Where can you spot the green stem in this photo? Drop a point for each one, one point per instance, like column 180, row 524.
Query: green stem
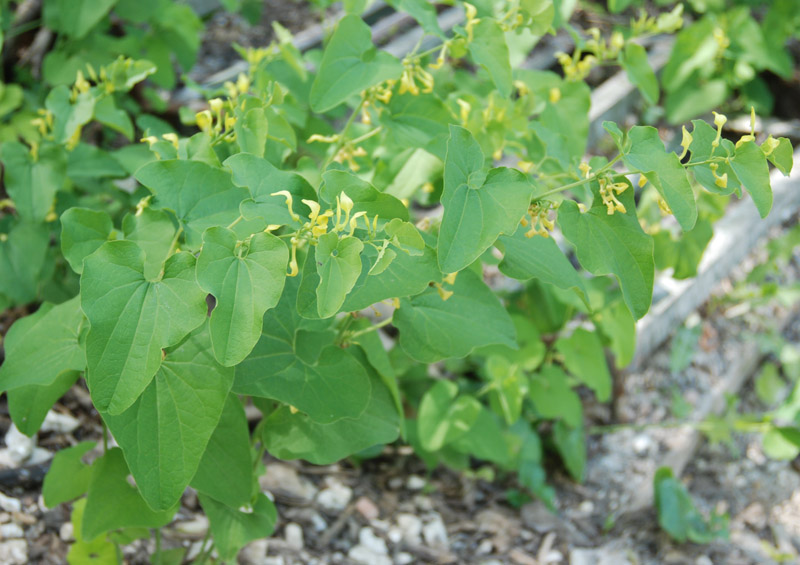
column 587, row 180
column 174, row 245
column 236, row 221
column 342, row 136
column 367, row 135
column 372, row 328
column 157, row 533
column 105, row 438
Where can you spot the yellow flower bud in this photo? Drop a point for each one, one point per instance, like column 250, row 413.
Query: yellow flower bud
column 686, row 141
column 354, row 221
column 204, row 120
column 314, row 209
column 243, row 83
column 770, row 144
column 427, row 188
column 172, row 138
column 586, row 169
column 451, row 278
column 323, row 138
column 345, row 202
column 288, row 196
column 216, row 105
column 525, row 166
column 465, row 108
column 554, row 95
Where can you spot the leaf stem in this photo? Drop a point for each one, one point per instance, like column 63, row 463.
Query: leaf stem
column 338, row 145
column 174, row 245
column 367, row 135
column 236, row 221
column 372, row 328
column 588, row 179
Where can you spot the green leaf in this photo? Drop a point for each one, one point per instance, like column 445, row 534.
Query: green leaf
column 201, row 196
column 132, row 319
column 571, row 445
column 28, row 405
column 553, row 398
column 225, row 472
column 478, row 207
column 233, row 529
column 247, row 278
column 262, row 178
column 615, row 245
column 68, row 477
column 164, row 433
column 251, row 131
column 153, row 231
column 83, row 231
column 694, row 98
column 769, row 384
column 584, row 358
column 617, row 324
column 350, row 64
column 99, row 551
column 490, row 51
column 365, row 197
column 22, row 260
column 750, row 166
column 406, row 275
column 443, row 418
column 76, row 18
column 782, row 443
column 294, row 362
column 640, row 73
column 677, row 514
column 32, row 184
column 485, row 440
column 782, row 156
column 69, row 115
column 432, row 329
column 665, row 171
column 422, row 11
column 41, row 347
column 418, row 121
column 112, row 503
column 289, row 435
column 701, row 150
column 338, row 266
column 509, row 387
column 538, row 257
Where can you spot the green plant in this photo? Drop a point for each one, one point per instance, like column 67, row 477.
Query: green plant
column 678, row 515
column 290, row 209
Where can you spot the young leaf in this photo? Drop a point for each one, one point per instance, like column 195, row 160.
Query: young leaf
column 640, row 72
column 153, row 231
column 553, row 398
column 132, row 319
column 478, row 207
column 247, row 278
column 338, row 266
column 422, row 11
column 782, row 156
column 571, row 445
column 432, row 329
column 98, row 551
column 32, row 183
column 615, row 245
column 584, row 358
column 750, row 166
column 490, row 51
column 83, row 231
column 28, row 405
column 233, row 529
column 350, row 64
column 23, row 258
column 418, row 121
column 443, row 418
column 76, row 17
column 165, row 432
column 68, row 477
column 42, row 346
column 678, row 515
column 112, row 503
column 251, row 132
column 365, row 197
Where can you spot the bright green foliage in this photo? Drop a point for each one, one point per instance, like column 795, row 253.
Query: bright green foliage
column 750, row 166
column 97, row 551
column 338, row 266
column 640, row 72
column 68, row 477
column 489, row 50
column 246, row 278
column 233, row 529
column 28, row 405
column 83, row 231
column 153, row 231
column 443, row 418
column 478, row 206
column 677, row 514
column 571, row 445
column 76, row 17
column 554, row 398
column 584, row 358
column 30, row 183
column 133, row 319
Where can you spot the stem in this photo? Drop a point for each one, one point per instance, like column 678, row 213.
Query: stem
column 105, row 438
column 372, row 328
column 367, row 135
column 174, row 245
column 338, row 145
column 589, row 179
column 157, row 532
column 236, row 221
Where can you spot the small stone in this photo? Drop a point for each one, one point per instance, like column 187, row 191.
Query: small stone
column 318, row 522
column 10, row 504
column 642, row 445
column 519, row 557
column 754, row 516
column 415, row 482
column 363, row 556
column 492, row 562
column 538, row 517
column 254, row 553
column 606, row 555
column 395, row 534
column 368, row 539
column 586, row 508
column 435, row 533
column 195, row 528
column 335, row 497
column 293, row 534
column 424, row 503
column 277, row 560
column 367, row 508
column 24, row 519
column 19, row 446
column 14, row 552
column 66, row 532
column 484, row 547
column 283, row 480
column 403, row 558
column 411, row 527
column 395, row 483
column 703, row 560
column 59, row 423
column 11, row 531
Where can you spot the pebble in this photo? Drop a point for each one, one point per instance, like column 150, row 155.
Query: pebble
column 410, row 528
column 600, row 556
column 11, row 531
column 254, row 553
column 66, row 532
column 395, row 534
column 435, row 533
column 335, row 497
column 367, row 508
column 19, row 447
column 14, row 552
column 368, row 539
column 403, row 558
column 277, row 560
column 363, row 556
column 415, row 482
column 395, row 483
column 586, row 508
column 536, row 516
column 59, row 423
column 703, row 560
column 10, row 504
column 195, row 528
column 642, row 445
column 285, row 480
column 485, row 547
column 423, row 503
column 293, row 534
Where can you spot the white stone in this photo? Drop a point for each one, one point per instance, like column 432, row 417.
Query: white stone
column 10, row 504
column 368, row 539
column 403, row 558
column 410, row 527
column 66, row 532
column 194, row 528
column 554, row 556
column 484, row 547
column 14, row 552
column 318, row 522
column 11, row 531
column 59, row 423
column 20, row 447
column 254, row 553
column 586, row 507
column 435, row 533
column 395, row 534
column 642, row 445
column 415, row 482
column 285, row 480
column 363, row 556
column 293, row 534
column 335, row 497
column 703, row 560
column 277, row 560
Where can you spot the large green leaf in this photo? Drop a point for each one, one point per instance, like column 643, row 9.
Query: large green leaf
column 23, row 256
column 112, row 503
column 665, row 171
column 418, row 121
column 262, row 179
column 28, row 405
column 478, row 207
column 76, row 17
column 338, row 267
column 443, row 417
column 68, row 477
column 750, row 165
column 350, row 64
column 432, row 329
column 553, row 398
column 153, row 231
column 538, row 257
column 201, row 196
column 83, row 231
column 225, row 472
column 42, row 346
column 422, row 11
column 613, row 244
column 584, row 358
column 571, row 445
column 246, row 277
column 232, row 529
column 701, row 151
column 296, row 362
column 32, row 183
column 132, row 319
column 640, row 73
column 164, row 434
column 289, row 435
column 490, row 51
column 677, row 513
column 365, row 197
